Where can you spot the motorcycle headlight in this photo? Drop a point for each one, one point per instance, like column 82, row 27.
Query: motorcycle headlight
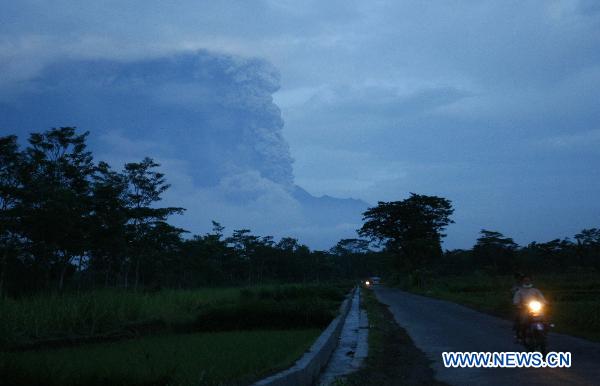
column 535, row 306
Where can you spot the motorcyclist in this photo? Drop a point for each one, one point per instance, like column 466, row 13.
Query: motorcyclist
column 517, row 284
column 516, row 314
column 526, row 293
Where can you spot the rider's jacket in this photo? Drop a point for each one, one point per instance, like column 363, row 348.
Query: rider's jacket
column 525, row 295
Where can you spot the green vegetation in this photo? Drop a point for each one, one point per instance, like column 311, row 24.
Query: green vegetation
column 206, row 336
column 187, row 359
column 411, row 229
column 69, row 223
column 275, row 307
column 91, row 267
column 574, row 297
column 99, row 238
column 123, row 313
column 566, row 270
column 99, row 312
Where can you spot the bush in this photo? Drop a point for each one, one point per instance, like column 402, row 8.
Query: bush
column 265, row 314
column 292, row 306
column 295, row 292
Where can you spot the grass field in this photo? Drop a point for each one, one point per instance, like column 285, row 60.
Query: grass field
column 99, row 312
column 574, row 298
column 185, row 359
column 206, row 336
column 105, row 312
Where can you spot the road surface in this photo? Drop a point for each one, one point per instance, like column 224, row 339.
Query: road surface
column 437, row 326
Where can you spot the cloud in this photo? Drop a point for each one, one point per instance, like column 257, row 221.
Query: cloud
column 209, row 119
column 214, row 110
column 483, row 101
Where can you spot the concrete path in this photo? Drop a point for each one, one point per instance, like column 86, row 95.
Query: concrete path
column 436, row 326
column 352, row 346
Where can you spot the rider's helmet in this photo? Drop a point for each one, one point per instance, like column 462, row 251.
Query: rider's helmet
column 526, row 281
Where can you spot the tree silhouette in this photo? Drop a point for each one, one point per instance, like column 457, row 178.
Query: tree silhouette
column 411, row 228
column 145, row 187
column 108, row 239
column 495, row 249
column 56, row 201
column 10, row 191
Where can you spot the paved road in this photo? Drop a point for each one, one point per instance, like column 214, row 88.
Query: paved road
column 436, row 326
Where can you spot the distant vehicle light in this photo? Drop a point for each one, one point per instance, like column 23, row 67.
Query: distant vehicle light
column 367, row 283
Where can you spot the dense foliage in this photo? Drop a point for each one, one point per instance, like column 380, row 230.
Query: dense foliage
column 410, row 232
column 67, row 221
column 497, row 254
column 410, row 229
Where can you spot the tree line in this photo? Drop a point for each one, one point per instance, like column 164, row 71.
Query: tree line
column 496, row 253
column 410, row 232
column 67, row 221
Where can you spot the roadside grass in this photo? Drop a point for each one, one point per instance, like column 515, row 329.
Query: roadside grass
column 574, row 297
column 393, row 358
column 110, row 312
column 235, row 357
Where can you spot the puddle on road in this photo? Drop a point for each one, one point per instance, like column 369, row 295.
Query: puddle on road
column 352, row 346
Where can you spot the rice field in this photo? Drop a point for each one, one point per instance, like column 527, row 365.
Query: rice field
column 207, row 336
column 185, row 359
column 99, row 312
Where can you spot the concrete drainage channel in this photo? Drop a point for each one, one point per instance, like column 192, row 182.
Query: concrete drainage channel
column 353, row 345
column 339, row 350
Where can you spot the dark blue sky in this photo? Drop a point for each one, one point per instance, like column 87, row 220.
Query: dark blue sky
column 492, row 104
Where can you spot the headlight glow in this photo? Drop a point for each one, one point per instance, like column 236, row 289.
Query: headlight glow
column 368, row 282
column 535, row 306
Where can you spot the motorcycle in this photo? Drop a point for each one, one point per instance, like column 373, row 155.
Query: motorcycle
column 534, row 332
